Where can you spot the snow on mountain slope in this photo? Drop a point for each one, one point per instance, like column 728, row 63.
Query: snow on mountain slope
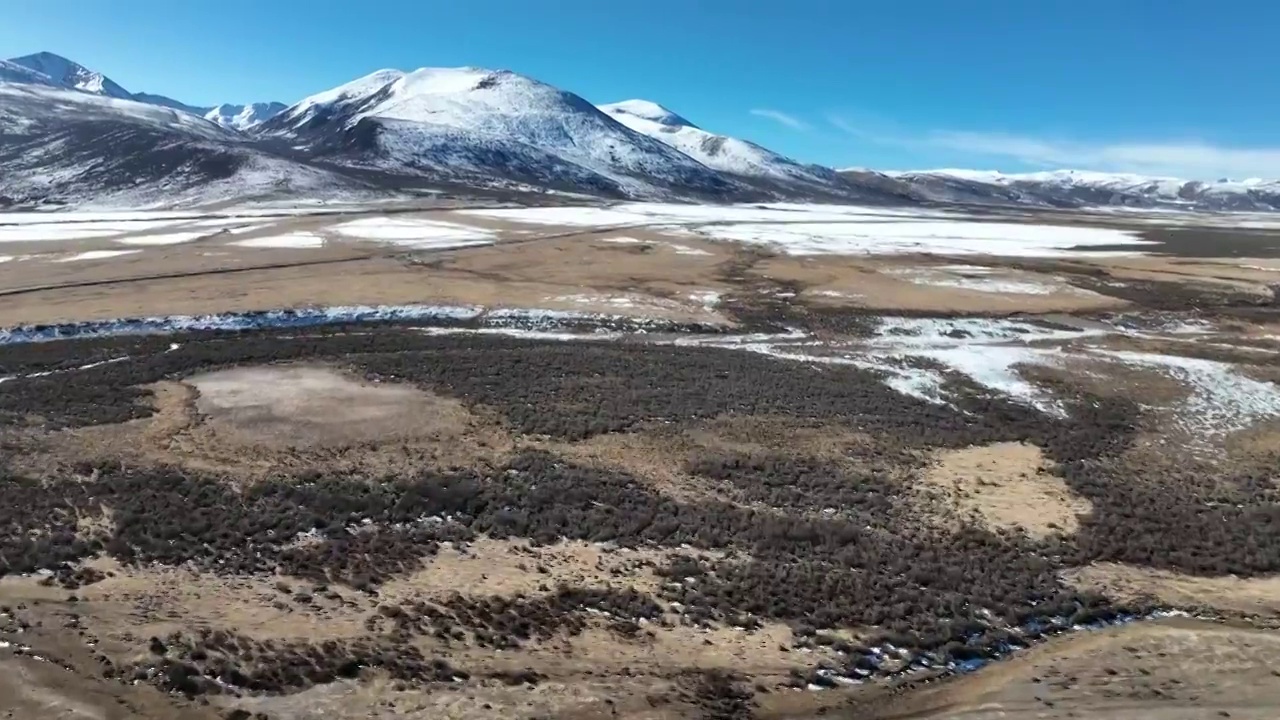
column 56, row 105
column 1082, row 188
column 720, row 152
column 474, row 122
column 243, row 117
column 73, row 147
column 68, row 74
column 162, row 101
column 15, row 73
column 647, row 110
column 46, row 68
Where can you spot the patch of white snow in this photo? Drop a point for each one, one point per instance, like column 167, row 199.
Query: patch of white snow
column 96, row 255
column 291, row 241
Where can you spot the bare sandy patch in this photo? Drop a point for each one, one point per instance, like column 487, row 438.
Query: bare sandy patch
column 888, row 283
column 256, row 422
column 515, row 567
column 654, row 456
column 301, row 406
column 1167, row 670
column 1228, row 593
column 659, row 454
column 1007, row 485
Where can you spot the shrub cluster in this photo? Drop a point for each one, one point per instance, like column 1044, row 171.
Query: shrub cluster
column 828, row 543
column 216, row 661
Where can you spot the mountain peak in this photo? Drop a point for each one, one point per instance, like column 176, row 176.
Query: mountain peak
column 244, row 117
column 69, row 74
column 648, row 110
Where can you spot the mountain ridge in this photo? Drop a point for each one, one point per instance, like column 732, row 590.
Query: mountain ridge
column 452, row 122
column 56, row 70
column 481, row 129
column 735, row 156
column 1086, row 188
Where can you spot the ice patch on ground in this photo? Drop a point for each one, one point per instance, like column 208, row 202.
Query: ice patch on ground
column 167, row 239
column 678, row 248
column 1222, row 400
column 291, row 241
column 924, row 333
column 47, row 233
column 706, row 298
column 78, row 217
column 686, row 250
column 1003, row 287
column 585, row 299
column 299, row 318
column 977, row 279
column 625, row 214
column 952, row 237
column 96, row 255
column 418, row 234
column 249, row 228
column 797, row 229
column 523, row 333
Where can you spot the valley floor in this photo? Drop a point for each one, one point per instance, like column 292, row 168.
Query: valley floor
column 638, row 461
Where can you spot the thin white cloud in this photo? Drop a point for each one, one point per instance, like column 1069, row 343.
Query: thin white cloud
column 778, row 116
column 1190, row 159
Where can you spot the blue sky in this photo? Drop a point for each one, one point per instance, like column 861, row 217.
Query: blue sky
column 1168, row 87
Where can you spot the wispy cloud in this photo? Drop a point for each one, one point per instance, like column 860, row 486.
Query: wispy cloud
column 778, row 116
column 1189, row 159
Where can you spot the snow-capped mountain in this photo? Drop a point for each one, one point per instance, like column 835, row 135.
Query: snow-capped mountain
column 67, row 146
column 46, row 68
column 14, row 73
column 468, row 124
column 72, row 134
column 729, row 155
column 647, row 110
column 244, row 117
column 71, row 75
column 1079, row 188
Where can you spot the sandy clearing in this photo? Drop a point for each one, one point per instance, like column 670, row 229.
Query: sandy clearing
column 1007, row 485
column 301, row 406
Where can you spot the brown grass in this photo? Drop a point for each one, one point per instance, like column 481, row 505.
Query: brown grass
column 1229, row 594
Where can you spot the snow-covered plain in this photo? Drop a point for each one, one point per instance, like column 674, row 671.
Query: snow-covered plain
column 635, row 213
column 981, row 279
column 295, row 241
column 53, row 233
column 1221, row 400
column 163, row 239
column 834, row 229
column 419, row 234
column 953, row 237
column 96, row 255
column 795, row 229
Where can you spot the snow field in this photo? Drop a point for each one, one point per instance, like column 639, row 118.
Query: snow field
column 832, row 229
